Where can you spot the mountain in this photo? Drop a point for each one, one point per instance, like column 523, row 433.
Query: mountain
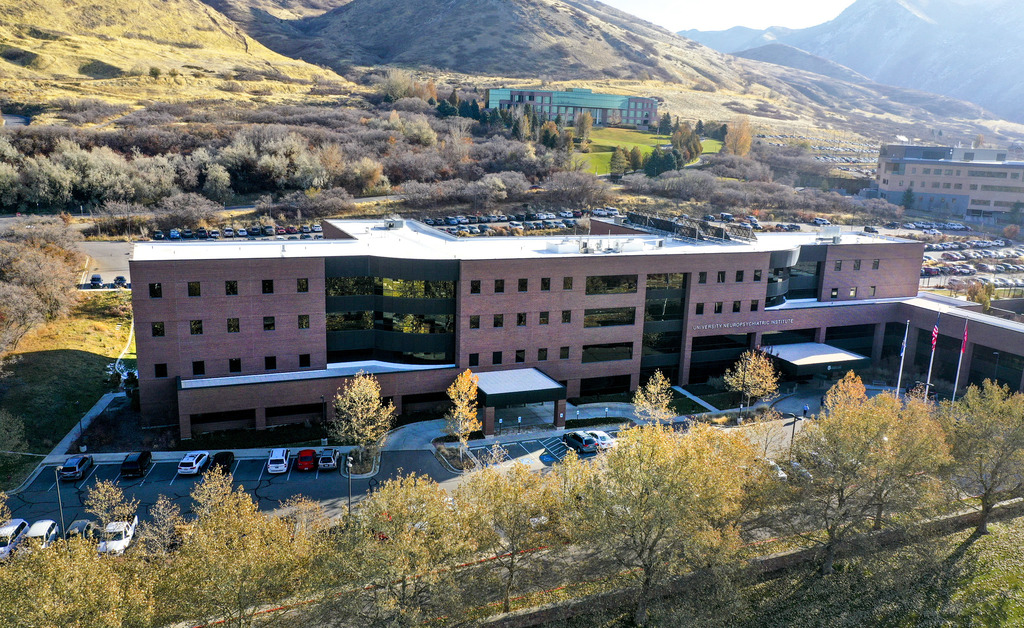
column 781, row 54
column 83, row 40
column 966, row 49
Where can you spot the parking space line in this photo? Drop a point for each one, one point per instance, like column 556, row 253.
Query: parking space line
column 262, row 469
column 52, row 486
column 173, row 479
column 86, row 478
column 289, row 477
column 237, row 462
column 151, row 467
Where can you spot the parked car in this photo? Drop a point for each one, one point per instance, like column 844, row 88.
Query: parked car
column 74, row 468
column 328, row 459
column 96, row 281
column 214, row 234
column 822, row 222
column 11, row 535
column 870, row 229
column 136, row 464
column 268, row 230
column 45, row 532
column 174, row 234
column 229, row 232
column 223, row 460
column 194, row 462
column 158, row 235
column 306, row 460
column 278, row 461
column 120, row 281
column 582, row 442
column 118, row 536
column 241, row 233
column 604, row 439
column 82, row 528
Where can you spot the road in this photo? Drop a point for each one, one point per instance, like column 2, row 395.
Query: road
column 107, row 259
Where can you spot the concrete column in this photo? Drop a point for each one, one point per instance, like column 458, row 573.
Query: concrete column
column 261, row 418
column 911, row 347
column 819, row 335
column 560, row 414
column 876, row 344
column 757, row 338
column 397, row 401
column 185, row 425
column 488, row 421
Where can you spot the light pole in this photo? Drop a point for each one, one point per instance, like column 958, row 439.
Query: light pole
column 995, row 375
column 792, row 439
column 606, row 414
column 60, row 501
column 348, row 470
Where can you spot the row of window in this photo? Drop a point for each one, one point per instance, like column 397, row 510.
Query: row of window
column 194, row 289
column 234, row 325
column 719, row 306
column 596, row 317
column 702, row 276
column 834, row 294
column 523, row 285
column 606, row 352
column 234, row 365
column 838, row 264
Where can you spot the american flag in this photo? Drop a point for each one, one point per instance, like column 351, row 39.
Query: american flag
column 935, row 332
column 963, row 346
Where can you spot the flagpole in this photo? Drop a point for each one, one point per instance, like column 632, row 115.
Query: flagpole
column 903, row 356
column 959, row 363
column 931, row 361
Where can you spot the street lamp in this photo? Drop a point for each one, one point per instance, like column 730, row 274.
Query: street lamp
column 995, row 375
column 606, row 413
column 792, row 439
column 348, row 469
column 60, row 501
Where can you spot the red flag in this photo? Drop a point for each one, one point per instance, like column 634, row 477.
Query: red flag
column 935, row 332
column 963, row 346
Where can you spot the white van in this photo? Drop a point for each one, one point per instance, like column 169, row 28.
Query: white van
column 278, row 461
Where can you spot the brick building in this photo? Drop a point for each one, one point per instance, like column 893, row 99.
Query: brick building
column 604, row 108
column 262, row 333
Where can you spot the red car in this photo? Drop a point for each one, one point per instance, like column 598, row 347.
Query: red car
column 306, row 460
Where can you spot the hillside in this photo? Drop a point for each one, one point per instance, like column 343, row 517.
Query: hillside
column 781, row 54
column 76, row 40
column 966, row 49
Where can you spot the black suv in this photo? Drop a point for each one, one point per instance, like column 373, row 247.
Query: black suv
column 136, row 464
column 582, row 442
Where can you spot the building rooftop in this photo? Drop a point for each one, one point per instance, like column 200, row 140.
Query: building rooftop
column 414, row 240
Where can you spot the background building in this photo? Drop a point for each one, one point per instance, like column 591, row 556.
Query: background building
column 256, row 334
column 605, row 108
column 963, row 182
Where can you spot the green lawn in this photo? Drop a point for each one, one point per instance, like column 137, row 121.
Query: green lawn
column 604, row 141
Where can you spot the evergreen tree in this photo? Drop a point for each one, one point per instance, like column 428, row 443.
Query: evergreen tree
column 665, row 124
column 636, row 159
column 446, row 110
column 453, row 98
column 619, row 161
column 474, row 110
column 549, row 135
column 559, row 122
column 465, row 110
column 908, row 199
column 699, row 130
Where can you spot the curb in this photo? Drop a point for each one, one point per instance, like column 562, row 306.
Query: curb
column 362, row 476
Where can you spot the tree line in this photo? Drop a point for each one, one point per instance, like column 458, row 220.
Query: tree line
column 660, row 506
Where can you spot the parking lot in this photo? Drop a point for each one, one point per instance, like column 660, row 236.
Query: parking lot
column 535, row 453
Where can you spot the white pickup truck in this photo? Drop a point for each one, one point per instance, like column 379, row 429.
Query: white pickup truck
column 118, row 536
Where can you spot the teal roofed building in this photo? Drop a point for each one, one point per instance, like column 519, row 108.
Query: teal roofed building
column 604, row 108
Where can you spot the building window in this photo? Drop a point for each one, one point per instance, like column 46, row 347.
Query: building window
column 499, row 286
column 736, row 306
column 721, row 276
column 839, row 265
column 195, row 328
column 739, row 276
column 835, row 293
column 270, row 363
column 856, row 264
column 545, row 284
column 718, row 307
column 474, row 359
column 700, row 309
column 520, row 356
column 853, row 292
column 608, row 352
column 302, row 285
column 754, row 305
column 158, row 329
column 231, row 288
column 193, row 289
column 303, row 360
column 474, row 321
column 159, row 370
column 499, row 320
column 702, row 277
column 757, row 275
column 268, row 323
column 235, row 365
column 611, row 284
column 156, row 291
column 874, row 264
column 474, row 286
column 199, row 368
column 268, row 286
column 871, row 291
column 563, row 353
column 542, row 355
column 303, row 321
column 566, row 316
column 544, row 318
column 521, row 319
column 524, row 285
column 567, row 283
column 496, row 358
column 609, row 316
column 233, row 326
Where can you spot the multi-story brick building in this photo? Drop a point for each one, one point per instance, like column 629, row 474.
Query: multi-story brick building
column 605, row 108
column 965, row 182
column 256, row 334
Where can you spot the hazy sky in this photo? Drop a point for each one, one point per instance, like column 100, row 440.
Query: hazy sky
column 708, row 15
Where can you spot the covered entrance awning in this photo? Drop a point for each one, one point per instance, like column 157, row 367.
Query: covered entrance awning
column 518, row 386
column 814, row 358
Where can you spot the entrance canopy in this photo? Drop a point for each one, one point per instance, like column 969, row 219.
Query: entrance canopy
column 516, row 386
column 812, row 358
